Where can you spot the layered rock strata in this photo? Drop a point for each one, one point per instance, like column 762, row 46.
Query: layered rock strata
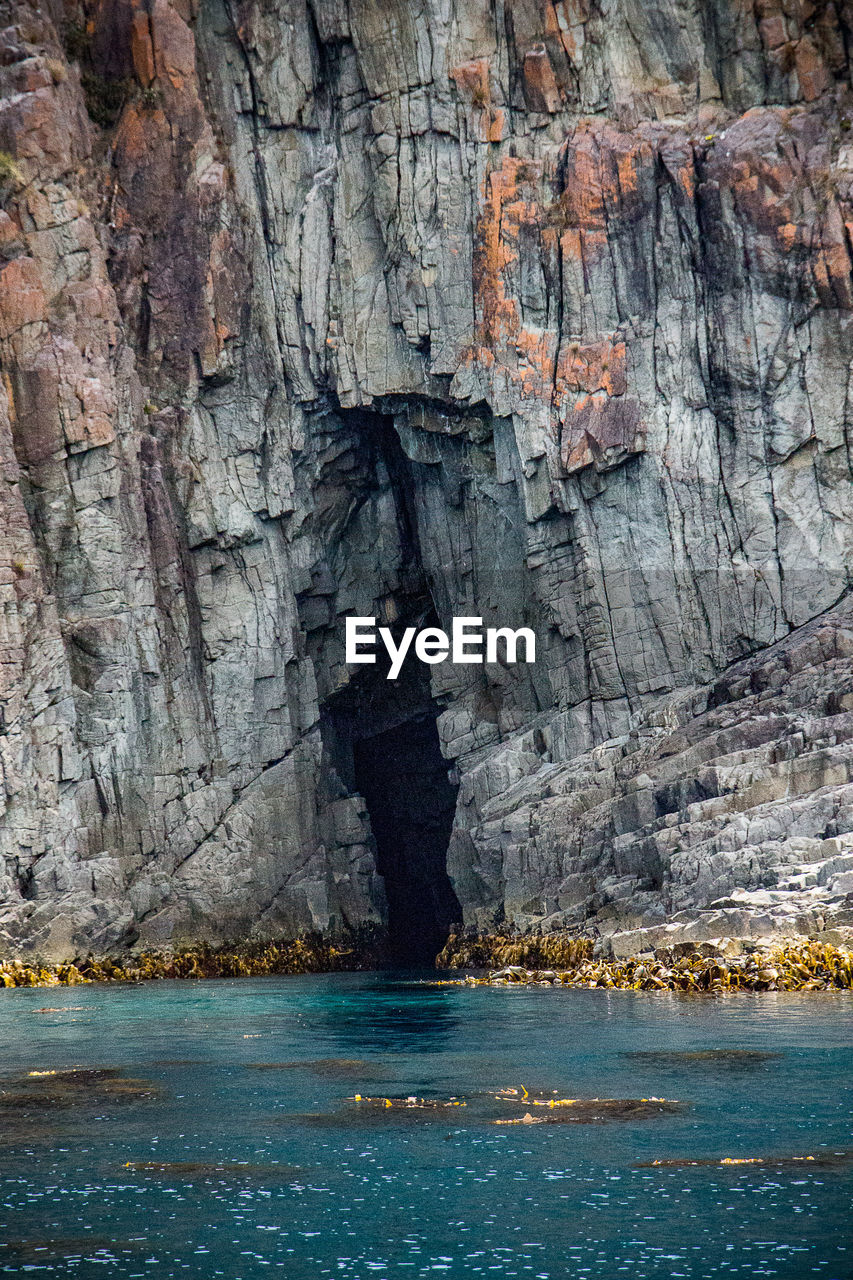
column 534, row 311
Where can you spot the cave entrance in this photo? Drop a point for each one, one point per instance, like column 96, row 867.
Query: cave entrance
column 410, row 801
column 382, row 741
column 380, row 736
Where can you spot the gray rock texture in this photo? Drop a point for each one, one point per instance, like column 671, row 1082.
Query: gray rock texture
column 537, row 311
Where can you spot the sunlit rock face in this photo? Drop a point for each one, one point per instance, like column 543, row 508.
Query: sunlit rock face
column 538, row 312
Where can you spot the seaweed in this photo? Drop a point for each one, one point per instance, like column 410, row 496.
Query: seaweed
column 820, row 1160
column 257, row 957
column 485, row 1108
column 803, row 965
column 541, row 951
column 596, row 1110
column 411, row 1103
column 52, row 1089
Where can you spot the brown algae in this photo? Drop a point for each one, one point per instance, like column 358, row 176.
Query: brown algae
column 48, row 1088
column 595, row 1110
column 547, row 960
column 534, row 951
column 411, row 1103
column 820, row 1160
column 310, row 954
column 489, row 1108
column 804, row 965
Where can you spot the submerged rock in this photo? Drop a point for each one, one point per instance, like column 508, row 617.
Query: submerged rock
column 733, row 1059
column 410, row 1103
column 596, row 1111
column 487, row 1107
column 344, row 1068
column 47, row 1088
column 203, row 1170
column 74, row 1008
column 818, row 1160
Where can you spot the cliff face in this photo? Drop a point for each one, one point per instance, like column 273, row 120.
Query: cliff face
column 534, row 311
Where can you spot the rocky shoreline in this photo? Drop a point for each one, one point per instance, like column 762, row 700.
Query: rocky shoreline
column 724, row 965
column 310, row 954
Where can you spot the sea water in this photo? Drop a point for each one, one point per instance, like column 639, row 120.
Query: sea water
column 233, row 1150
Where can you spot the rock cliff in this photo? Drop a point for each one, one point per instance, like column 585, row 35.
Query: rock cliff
column 534, row 310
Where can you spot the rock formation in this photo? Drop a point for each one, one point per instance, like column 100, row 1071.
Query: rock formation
column 536, row 310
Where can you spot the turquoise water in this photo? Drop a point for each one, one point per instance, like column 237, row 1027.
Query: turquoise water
column 337, row 1189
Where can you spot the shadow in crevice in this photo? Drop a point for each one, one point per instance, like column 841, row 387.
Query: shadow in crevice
column 380, row 738
column 383, row 743
column 403, row 777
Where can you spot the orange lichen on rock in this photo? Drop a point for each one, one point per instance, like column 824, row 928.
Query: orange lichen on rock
column 786, row 199
column 602, row 174
column 603, row 426
column 497, row 319
column 174, row 45
column 594, row 366
column 134, row 138
column 581, row 200
column 562, row 19
column 535, row 350
column 141, row 48
column 531, row 359
column 766, row 167
column 472, row 80
column 22, row 299
column 601, row 431
column 188, row 268
column 494, row 129
column 811, row 70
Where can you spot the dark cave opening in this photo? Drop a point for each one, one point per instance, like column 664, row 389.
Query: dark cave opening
column 380, row 736
column 382, row 742
column 410, row 800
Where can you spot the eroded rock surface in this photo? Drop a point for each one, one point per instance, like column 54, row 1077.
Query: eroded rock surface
column 534, row 311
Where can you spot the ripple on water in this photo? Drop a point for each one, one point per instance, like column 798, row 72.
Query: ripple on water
column 157, row 1149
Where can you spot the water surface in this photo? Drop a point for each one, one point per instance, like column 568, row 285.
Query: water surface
column 222, row 1143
